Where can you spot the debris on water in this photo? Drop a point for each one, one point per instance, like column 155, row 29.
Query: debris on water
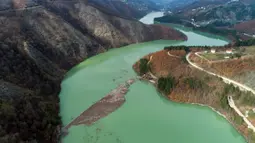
column 131, row 81
column 108, row 104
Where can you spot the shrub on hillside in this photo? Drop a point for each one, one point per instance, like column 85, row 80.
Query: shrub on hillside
column 248, row 99
column 238, row 120
column 144, row 66
column 166, row 84
column 194, row 83
column 224, row 101
column 249, row 42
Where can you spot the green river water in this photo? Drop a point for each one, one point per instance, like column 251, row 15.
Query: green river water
column 146, row 116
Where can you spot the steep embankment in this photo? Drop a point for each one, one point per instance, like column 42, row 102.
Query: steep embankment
column 38, row 45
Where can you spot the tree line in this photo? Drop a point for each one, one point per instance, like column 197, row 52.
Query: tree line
column 211, row 28
column 249, row 42
column 188, row 48
column 144, row 67
column 181, row 47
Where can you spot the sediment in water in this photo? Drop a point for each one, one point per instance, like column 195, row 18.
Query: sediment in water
column 103, row 107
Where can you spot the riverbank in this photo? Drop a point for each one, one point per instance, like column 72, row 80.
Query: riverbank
column 192, row 86
column 149, row 78
column 238, row 72
column 230, row 35
column 94, row 78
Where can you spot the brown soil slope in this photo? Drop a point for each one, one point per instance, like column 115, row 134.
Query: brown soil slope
column 247, row 27
column 193, row 86
column 241, row 70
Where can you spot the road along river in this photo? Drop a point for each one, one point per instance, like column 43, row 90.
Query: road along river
column 146, row 117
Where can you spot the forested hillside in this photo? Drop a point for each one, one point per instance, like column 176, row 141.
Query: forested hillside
column 40, row 42
column 226, row 18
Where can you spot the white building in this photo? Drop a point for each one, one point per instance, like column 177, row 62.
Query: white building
column 229, row 51
column 213, row 50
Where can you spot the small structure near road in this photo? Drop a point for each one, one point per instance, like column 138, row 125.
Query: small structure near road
column 229, row 51
column 213, row 51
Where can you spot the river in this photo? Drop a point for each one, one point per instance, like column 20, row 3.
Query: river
column 149, row 18
column 146, row 117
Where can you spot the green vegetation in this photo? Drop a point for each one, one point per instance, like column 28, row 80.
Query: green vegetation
column 207, row 78
column 166, row 84
column 238, row 55
column 250, row 50
column 224, row 102
column 245, row 98
column 144, row 66
column 228, row 89
column 214, row 56
column 194, row 83
column 249, row 42
column 251, row 114
column 184, row 60
column 251, row 136
column 211, row 28
column 169, row 19
column 237, row 119
column 186, row 48
column 248, row 99
column 221, row 56
column 219, row 23
column 31, row 113
column 29, row 117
